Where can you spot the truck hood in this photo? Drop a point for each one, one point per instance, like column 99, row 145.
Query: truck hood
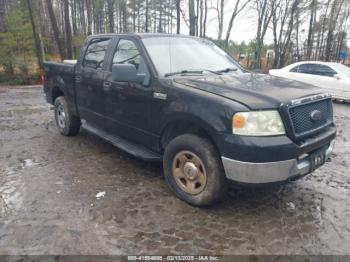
column 256, row 91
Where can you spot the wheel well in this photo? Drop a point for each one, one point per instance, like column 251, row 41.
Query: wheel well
column 181, row 127
column 56, row 92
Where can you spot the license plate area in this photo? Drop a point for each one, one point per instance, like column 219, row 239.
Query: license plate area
column 317, row 159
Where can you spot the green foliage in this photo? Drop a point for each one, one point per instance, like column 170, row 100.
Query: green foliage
column 16, row 46
column 78, row 42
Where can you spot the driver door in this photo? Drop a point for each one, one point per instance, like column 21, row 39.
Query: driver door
column 128, row 103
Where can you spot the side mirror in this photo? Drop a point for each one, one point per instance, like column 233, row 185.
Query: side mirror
column 337, row 76
column 126, row 73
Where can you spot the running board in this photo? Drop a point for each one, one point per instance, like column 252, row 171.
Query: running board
column 131, row 148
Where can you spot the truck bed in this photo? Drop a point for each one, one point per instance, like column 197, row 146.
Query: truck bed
column 60, row 75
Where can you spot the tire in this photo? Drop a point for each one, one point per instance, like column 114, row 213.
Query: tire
column 67, row 124
column 187, row 181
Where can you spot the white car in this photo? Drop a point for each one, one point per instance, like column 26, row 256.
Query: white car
column 334, row 78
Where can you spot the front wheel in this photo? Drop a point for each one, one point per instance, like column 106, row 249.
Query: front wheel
column 193, row 170
column 67, row 124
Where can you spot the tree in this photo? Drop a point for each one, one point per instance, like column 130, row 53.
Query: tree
column 178, row 15
column 264, row 10
column 220, row 14
column 111, row 15
column 237, row 9
column 69, row 43
column 192, row 17
column 36, row 34
column 312, row 20
column 55, row 29
column 335, row 10
column 283, row 14
column 3, row 8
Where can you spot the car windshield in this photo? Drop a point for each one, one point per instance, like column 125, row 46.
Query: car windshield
column 343, row 69
column 172, row 55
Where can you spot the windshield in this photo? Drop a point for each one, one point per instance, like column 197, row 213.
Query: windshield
column 184, row 54
column 343, row 69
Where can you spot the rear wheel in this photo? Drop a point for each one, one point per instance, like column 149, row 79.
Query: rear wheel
column 193, row 170
column 67, row 124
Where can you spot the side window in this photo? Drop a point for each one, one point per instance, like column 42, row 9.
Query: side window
column 324, row 70
column 294, row 69
column 316, row 69
column 95, row 53
column 306, row 69
column 127, row 53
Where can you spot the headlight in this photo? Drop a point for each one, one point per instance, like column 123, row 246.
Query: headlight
column 258, row 123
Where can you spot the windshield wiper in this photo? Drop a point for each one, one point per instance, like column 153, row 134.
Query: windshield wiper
column 193, row 72
column 213, row 72
column 226, row 70
column 183, row 72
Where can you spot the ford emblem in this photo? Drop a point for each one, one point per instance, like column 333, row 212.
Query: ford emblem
column 316, row 115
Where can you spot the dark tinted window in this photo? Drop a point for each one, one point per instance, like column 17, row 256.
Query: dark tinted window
column 294, row 69
column 316, row 69
column 95, row 53
column 127, row 53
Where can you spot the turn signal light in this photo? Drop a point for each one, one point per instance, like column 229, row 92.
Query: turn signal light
column 238, row 121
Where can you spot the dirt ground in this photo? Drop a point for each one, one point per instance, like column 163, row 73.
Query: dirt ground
column 49, row 183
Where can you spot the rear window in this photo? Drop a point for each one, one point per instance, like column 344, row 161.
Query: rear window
column 95, row 53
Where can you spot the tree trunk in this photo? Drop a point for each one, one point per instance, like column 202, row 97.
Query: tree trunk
column 192, row 16
column 111, row 15
column 205, row 18
column 68, row 30
column 160, row 29
column 74, row 17
column 55, row 29
column 197, row 12
column 36, row 34
column 310, row 34
column 178, row 16
column 146, row 19
column 336, row 7
column 3, row 7
column 221, row 18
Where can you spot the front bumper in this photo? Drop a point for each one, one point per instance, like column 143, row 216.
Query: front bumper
column 269, row 172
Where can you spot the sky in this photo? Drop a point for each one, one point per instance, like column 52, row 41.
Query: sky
column 244, row 27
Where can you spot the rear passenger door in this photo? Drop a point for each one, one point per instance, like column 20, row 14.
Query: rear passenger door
column 89, row 82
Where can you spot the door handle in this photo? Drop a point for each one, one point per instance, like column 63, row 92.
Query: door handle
column 78, row 79
column 107, row 86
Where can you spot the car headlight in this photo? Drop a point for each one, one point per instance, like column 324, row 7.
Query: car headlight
column 258, row 123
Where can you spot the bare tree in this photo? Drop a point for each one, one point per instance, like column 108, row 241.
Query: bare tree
column 110, row 4
column 178, row 16
column 68, row 29
column 205, row 18
column 310, row 37
column 55, row 29
column 239, row 7
column 3, row 7
column 264, row 10
column 192, row 17
column 335, row 10
column 36, row 34
column 220, row 9
column 283, row 14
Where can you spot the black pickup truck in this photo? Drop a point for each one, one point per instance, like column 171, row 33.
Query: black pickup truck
column 184, row 101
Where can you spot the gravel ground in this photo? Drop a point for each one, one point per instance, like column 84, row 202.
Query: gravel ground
column 49, row 183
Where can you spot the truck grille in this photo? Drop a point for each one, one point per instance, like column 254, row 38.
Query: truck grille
column 301, row 116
